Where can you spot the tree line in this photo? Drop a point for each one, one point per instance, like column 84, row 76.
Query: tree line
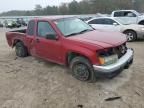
column 82, row 7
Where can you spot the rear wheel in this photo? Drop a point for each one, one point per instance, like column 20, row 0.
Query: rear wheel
column 21, row 50
column 131, row 35
column 82, row 69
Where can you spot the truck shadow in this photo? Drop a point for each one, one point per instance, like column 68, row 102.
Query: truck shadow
column 46, row 63
column 122, row 76
column 49, row 64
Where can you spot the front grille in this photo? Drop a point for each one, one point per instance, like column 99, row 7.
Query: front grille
column 120, row 50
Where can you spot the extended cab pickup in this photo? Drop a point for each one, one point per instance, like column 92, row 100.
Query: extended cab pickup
column 131, row 16
column 69, row 41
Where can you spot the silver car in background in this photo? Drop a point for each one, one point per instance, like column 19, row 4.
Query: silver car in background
column 132, row 31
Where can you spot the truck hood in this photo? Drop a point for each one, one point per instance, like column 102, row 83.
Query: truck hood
column 100, row 38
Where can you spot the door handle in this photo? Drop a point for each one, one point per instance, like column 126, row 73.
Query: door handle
column 37, row 40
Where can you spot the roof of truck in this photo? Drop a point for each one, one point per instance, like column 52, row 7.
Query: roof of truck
column 54, row 17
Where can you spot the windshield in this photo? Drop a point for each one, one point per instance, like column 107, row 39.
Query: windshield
column 137, row 13
column 72, row 26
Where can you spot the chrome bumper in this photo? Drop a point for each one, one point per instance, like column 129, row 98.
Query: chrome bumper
column 121, row 63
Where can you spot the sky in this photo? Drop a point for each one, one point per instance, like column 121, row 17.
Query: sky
column 7, row 5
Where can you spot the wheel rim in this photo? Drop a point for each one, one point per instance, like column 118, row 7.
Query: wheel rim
column 81, row 72
column 130, row 36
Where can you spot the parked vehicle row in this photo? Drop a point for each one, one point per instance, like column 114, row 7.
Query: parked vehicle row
column 12, row 23
column 88, row 53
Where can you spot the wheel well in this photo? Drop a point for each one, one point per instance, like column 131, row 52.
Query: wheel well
column 72, row 55
column 16, row 41
column 130, row 30
column 141, row 22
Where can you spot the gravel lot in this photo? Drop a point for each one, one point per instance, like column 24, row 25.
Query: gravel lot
column 33, row 83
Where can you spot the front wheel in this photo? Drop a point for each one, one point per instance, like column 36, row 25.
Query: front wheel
column 21, row 50
column 82, row 69
column 131, row 35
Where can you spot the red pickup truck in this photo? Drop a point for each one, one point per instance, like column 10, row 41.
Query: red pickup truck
column 69, row 41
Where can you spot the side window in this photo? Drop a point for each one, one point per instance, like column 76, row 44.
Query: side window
column 118, row 14
column 109, row 22
column 96, row 21
column 44, row 28
column 30, row 29
column 129, row 14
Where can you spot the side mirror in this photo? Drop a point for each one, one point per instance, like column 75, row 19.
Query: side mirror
column 51, row 36
column 115, row 24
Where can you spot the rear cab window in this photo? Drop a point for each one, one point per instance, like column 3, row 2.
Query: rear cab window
column 31, row 28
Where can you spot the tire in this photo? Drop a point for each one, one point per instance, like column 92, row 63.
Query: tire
column 131, row 35
column 82, row 69
column 21, row 50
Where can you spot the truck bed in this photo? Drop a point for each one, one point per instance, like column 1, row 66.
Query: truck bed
column 21, row 30
column 14, row 35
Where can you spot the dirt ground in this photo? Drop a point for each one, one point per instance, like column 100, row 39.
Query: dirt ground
column 32, row 83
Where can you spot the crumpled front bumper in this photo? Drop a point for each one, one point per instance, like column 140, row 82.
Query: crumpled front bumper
column 114, row 69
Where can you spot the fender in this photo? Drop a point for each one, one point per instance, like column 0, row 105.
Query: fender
column 82, row 51
column 15, row 40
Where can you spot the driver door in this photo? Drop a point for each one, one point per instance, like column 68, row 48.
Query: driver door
column 49, row 49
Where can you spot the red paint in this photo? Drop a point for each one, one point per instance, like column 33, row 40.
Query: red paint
column 86, row 44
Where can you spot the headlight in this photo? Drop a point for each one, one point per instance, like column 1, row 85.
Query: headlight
column 107, row 60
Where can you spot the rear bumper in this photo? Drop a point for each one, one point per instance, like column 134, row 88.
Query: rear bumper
column 114, row 69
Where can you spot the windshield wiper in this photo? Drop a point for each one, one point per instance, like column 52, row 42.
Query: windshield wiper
column 72, row 34
column 85, row 30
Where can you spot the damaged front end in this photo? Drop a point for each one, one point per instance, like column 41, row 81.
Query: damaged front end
column 114, row 60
